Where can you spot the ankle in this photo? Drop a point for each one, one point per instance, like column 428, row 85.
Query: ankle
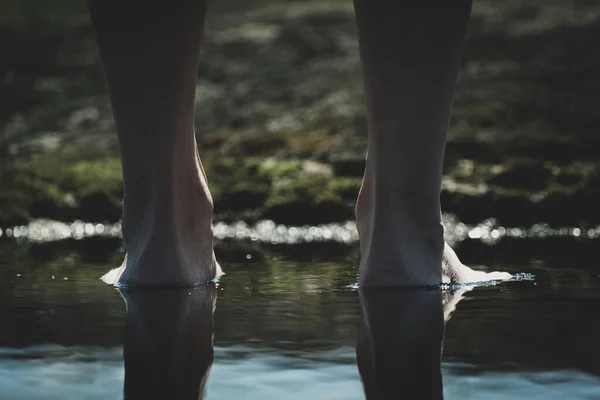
column 184, row 206
column 401, row 238
column 168, row 237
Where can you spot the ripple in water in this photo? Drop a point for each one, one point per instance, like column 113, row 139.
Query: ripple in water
column 520, row 276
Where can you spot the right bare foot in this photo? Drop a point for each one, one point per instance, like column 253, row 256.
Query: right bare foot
column 454, row 271
column 402, row 244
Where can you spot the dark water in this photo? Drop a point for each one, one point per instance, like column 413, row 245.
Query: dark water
column 286, row 326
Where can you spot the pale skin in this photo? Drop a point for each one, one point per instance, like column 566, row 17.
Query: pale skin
column 410, row 54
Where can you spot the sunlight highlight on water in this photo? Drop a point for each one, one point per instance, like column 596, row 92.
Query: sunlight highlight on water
column 266, row 231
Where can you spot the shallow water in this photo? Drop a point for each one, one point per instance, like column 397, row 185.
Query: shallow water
column 286, row 326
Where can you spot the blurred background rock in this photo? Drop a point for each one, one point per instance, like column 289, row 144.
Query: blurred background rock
column 280, row 118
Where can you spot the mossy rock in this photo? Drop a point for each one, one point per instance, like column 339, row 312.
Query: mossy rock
column 568, row 179
column 558, row 150
column 245, row 195
column 225, row 165
column 273, row 169
column 591, row 186
column 301, row 190
column 331, row 210
column 311, row 144
column 346, row 188
column 59, row 187
column 301, row 213
column 306, row 200
column 98, row 207
column 468, row 148
column 293, row 212
column 521, row 208
column 348, row 164
column 252, row 165
column 257, row 144
column 213, row 141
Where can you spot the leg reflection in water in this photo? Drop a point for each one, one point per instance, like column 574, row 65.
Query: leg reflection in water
column 168, row 347
column 400, row 344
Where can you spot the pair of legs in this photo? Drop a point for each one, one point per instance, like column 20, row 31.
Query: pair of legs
column 410, row 53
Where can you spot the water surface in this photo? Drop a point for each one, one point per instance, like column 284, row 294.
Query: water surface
column 286, row 325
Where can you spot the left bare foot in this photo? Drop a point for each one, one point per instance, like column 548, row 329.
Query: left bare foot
column 113, row 276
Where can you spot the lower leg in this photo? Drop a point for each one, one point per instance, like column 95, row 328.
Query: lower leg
column 150, row 52
column 410, row 53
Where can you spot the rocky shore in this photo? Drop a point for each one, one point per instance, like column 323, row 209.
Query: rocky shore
column 281, row 126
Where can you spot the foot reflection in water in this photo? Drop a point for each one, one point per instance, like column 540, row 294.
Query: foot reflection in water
column 400, row 344
column 168, row 348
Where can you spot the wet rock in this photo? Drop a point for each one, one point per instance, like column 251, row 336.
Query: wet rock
column 213, row 141
column 98, row 207
column 471, row 149
column 308, row 200
column 242, row 196
column 568, row 179
column 292, row 212
column 281, row 121
column 273, row 168
column 346, row 188
column 348, row 164
column 311, row 167
column 526, row 174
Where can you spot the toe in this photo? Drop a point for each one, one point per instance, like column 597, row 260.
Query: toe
column 499, row 276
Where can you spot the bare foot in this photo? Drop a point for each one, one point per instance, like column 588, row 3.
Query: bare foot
column 168, row 236
column 113, row 276
column 402, row 245
column 453, row 271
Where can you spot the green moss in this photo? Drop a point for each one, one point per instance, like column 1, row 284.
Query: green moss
column 310, row 144
column 252, row 164
column 213, row 141
column 309, row 199
column 215, row 191
column 16, row 12
column 276, row 169
column 242, row 195
column 224, row 165
column 99, row 176
column 301, row 190
column 346, row 188
column 58, row 187
column 258, row 144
